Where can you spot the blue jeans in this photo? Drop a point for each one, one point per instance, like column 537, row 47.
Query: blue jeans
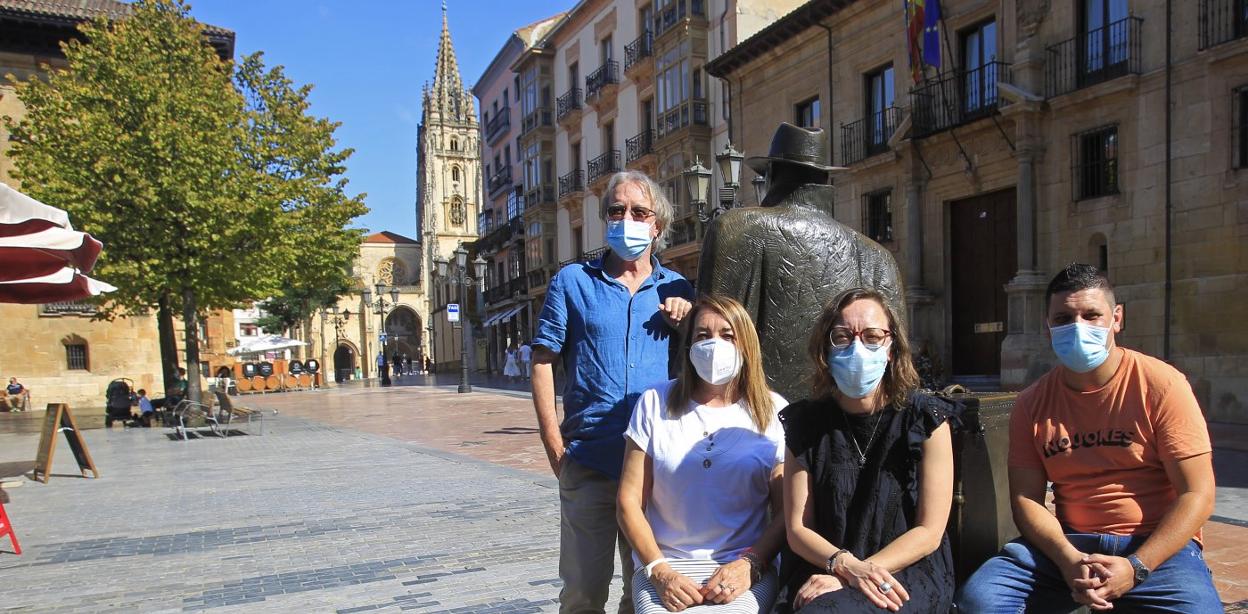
column 1022, row 579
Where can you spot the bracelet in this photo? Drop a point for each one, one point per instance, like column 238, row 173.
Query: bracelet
column 831, row 564
column 757, row 566
column 652, row 564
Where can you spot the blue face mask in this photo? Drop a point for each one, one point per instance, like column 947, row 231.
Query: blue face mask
column 628, row 238
column 1081, row 347
column 858, row 369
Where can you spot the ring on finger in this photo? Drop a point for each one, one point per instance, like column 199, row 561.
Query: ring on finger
column 885, row 587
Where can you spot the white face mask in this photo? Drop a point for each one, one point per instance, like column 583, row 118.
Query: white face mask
column 716, row 360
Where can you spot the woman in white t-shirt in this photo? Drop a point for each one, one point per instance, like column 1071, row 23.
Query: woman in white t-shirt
column 702, row 470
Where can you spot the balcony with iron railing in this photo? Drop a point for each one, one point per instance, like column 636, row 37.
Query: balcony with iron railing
column 539, row 277
column 684, row 230
column 675, row 15
column 597, row 82
column 640, row 49
column 519, row 285
column 500, row 180
column 690, row 112
column 1094, row 57
column 498, row 125
column 639, row 146
column 572, row 184
column 1222, row 21
column 538, row 118
column 868, row 136
column 497, row 294
column 588, row 256
column 539, row 195
column 604, row 166
column 568, row 104
column 958, row 98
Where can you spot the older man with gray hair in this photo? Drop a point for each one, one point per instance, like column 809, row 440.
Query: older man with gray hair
column 611, row 322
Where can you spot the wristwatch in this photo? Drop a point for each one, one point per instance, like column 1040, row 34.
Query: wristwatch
column 1141, row 570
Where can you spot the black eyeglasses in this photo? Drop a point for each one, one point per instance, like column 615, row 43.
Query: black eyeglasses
column 617, row 212
column 840, row 337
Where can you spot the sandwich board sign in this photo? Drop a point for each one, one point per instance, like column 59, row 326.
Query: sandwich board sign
column 58, row 419
column 452, row 312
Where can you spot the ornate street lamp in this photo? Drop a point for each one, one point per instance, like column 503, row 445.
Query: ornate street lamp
column 697, row 182
column 380, row 308
column 457, row 273
column 729, row 161
column 760, row 188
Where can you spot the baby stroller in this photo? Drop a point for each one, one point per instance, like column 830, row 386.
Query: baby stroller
column 119, row 397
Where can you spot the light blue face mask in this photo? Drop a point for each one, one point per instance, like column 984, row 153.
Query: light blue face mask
column 1081, row 347
column 628, row 238
column 858, row 369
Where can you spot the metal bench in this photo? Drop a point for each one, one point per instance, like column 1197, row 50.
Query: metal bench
column 187, row 412
column 228, row 411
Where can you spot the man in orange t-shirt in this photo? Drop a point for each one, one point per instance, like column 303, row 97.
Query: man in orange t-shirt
column 1121, row 437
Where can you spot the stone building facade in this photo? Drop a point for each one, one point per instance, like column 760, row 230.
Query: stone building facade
column 610, row 85
column 58, row 350
column 1054, row 132
column 510, row 242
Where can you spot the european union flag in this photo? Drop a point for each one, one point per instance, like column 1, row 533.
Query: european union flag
column 931, row 33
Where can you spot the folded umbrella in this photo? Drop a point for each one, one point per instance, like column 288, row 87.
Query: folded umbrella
column 63, row 285
column 45, row 252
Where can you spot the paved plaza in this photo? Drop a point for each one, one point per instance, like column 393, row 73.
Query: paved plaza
column 355, row 499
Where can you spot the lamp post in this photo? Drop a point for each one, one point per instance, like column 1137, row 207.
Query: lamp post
column 698, row 179
column 457, row 274
column 380, row 308
column 339, row 321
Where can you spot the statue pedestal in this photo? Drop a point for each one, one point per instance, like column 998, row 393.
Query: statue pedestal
column 1026, row 353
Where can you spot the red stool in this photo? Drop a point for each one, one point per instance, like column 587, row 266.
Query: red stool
column 6, row 528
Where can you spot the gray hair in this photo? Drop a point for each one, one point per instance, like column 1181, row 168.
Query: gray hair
column 658, row 201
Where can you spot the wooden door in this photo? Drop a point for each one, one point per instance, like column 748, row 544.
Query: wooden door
column 984, row 258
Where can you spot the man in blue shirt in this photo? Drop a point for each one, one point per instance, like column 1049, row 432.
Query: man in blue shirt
column 610, row 322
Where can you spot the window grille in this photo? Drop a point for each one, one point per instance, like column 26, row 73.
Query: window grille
column 1095, row 163
column 76, row 356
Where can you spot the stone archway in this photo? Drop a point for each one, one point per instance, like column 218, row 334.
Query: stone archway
column 404, row 333
column 345, row 359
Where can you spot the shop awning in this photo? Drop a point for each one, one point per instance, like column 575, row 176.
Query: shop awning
column 503, row 316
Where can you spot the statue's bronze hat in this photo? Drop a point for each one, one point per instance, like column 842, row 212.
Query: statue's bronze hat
column 807, row 147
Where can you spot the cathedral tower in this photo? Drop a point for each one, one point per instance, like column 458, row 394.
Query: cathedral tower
column 449, row 159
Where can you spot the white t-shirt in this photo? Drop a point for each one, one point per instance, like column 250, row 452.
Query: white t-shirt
column 706, row 503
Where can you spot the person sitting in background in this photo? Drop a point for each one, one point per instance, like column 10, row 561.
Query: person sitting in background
column 703, row 464
column 16, row 396
column 869, row 471
column 146, row 411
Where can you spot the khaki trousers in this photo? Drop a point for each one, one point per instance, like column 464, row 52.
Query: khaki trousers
column 588, row 539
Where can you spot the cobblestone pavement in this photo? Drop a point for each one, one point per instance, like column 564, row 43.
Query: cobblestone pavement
column 355, row 499
column 307, row 517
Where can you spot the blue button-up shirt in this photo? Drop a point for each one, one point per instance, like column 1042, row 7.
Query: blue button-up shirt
column 613, row 345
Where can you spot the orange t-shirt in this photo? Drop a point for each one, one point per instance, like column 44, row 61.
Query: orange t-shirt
column 1103, row 449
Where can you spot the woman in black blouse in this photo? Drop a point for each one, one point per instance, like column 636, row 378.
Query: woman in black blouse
column 869, row 472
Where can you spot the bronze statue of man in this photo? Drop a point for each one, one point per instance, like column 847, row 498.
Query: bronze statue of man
column 786, row 259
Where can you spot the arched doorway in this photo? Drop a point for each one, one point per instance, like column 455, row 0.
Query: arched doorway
column 404, row 333
column 344, row 362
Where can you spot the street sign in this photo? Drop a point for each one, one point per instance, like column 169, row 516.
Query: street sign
column 452, row 312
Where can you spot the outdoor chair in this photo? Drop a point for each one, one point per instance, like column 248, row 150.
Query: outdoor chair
column 228, row 410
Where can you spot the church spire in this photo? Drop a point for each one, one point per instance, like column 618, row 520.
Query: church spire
column 447, row 94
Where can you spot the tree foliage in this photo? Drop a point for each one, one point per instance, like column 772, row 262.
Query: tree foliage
column 209, row 184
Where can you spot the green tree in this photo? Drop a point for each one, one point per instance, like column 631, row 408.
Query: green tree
column 297, row 156
column 203, row 197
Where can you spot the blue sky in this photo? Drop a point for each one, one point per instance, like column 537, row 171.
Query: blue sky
column 367, row 61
